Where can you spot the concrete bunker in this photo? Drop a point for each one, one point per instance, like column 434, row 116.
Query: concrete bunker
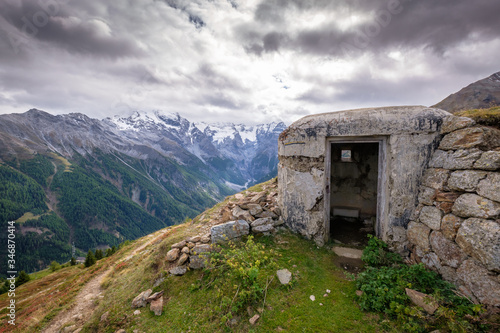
column 357, row 165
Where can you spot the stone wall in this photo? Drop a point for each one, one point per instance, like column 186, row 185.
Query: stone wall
column 456, row 227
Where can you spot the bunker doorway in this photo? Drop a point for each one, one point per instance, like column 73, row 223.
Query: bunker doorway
column 354, row 190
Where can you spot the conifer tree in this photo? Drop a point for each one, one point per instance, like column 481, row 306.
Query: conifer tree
column 73, row 261
column 89, row 259
column 98, row 254
column 22, row 278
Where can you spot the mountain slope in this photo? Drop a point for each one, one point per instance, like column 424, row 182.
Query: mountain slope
column 482, row 94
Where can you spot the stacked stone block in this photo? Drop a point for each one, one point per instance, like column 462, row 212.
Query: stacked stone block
column 456, row 227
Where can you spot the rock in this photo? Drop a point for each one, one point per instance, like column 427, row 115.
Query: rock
column 453, row 123
column 267, row 214
column 481, row 240
column 466, row 181
column 179, row 245
column 241, row 214
column 418, row 234
column 185, row 250
column 263, row 229
column 435, row 178
column 312, row 298
column 254, row 319
column 259, row 197
column 426, row 302
column 431, row 216
column 262, row 221
column 445, row 207
column 359, row 293
column 447, row 251
column 490, row 160
column 190, row 245
column 278, row 222
column 284, row 275
column 173, row 254
column 472, row 205
column 431, row 260
column 427, row 195
column 157, row 306
column 202, row 248
column 140, row 300
column 197, row 262
column 490, row 187
column 137, row 312
column 447, row 196
column 347, row 252
column 229, row 230
column 182, row 259
column 480, row 283
column 105, row 316
column 178, row 270
column 449, row 274
column 205, row 239
column 438, row 158
column 461, row 159
column 194, row 239
column 239, row 196
column 276, row 210
column 475, row 137
column 450, row 225
column 226, row 215
column 121, row 331
column 68, row 329
column 255, row 209
column 154, row 296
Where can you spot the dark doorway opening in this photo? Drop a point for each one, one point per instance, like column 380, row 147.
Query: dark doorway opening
column 354, row 177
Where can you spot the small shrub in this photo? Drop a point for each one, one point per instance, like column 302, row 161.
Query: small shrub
column 22, row 278
column 54, row 266
column 376, row 253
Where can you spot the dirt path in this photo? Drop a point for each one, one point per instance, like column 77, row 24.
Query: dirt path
column 82, row 310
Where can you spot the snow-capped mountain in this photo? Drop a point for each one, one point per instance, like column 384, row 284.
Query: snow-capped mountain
column 242, row 154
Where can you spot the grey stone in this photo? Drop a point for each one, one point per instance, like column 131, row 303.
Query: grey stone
column 241, row 214
column 431, row 260
column 202, row 248
column 462, row 159
column 480, row 283
column 255, row 209
column 229, row 231
column 453, row 123
column 157, row 306
column 481, row 239
column 347, row 252
column 438, row 158
column 205, row 239
column 259, row 197
column 284, row 275
column 265, row 228
column 178, row 270
column 185, row 249
column 431, row 216
column 490, row 187
column 182, row 259
column 197, row 262
column 173, row 254
column 140, row 300
column 154, row 296
column 465, row 180
column 427, row 195
column 449, row 274
column 472, row 205
column 418, row 234
column 490, row 160
column 450, row 225
column 474, row 137
column 266, row 214
column 262, row 221
column 447, row 251
column 179, row 245
column 435, row 178
column 194, row 239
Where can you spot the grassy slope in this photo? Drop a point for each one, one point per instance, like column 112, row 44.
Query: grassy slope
column 488, row 117
column 287, row 308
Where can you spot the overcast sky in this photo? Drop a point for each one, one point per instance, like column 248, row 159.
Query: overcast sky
column 249, row 61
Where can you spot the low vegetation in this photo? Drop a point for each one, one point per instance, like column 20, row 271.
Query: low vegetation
column 487, row 117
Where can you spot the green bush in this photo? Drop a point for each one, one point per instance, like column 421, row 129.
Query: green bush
column 376, row 254
column 55, row 266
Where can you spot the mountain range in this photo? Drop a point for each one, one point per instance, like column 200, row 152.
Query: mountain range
column 70, row 179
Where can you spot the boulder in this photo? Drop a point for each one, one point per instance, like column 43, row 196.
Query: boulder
column 453, row 123
column 265, row 228
column 201, row 248
column 450, row 225
column 179, row 245
column 229, row 230
column 466, row 181
column 473, row 137
column 461, row 159
column 241, row 214
column 490, row 160
column 197, row 262
column 431, row 216
column 426, row 302
column 435, row 178
column 262, row 221
column 481, row 240
column 182, row 259
column 173, row 254
column 490, row 187
column 178, row 270
column 447, row 251
column 426, row 195
column 140, row 300
column 255, row 209
column 480, row 283
column 284, row 275
column 157, row 306
column 472, row 205
column 418, row 234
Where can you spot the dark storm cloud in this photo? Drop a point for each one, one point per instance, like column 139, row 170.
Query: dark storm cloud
column 52, row 22
column 436, row 25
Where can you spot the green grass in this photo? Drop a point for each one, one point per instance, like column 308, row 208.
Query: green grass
column 28, row 216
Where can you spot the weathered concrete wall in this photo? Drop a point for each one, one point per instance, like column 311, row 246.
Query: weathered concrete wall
column 456, row 228
column 411, row 134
